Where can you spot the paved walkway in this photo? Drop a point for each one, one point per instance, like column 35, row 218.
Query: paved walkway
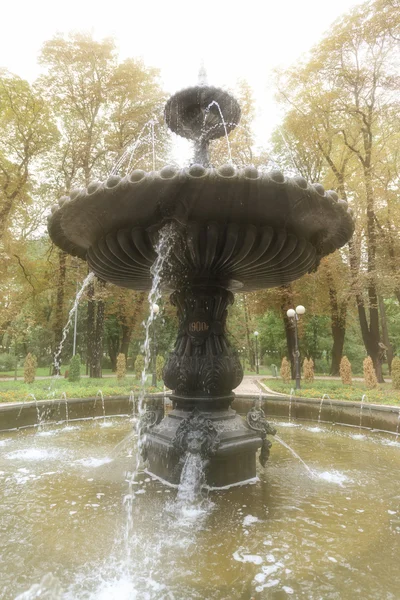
column 249, row 385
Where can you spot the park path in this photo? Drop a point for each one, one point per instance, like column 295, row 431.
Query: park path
column 249, row 385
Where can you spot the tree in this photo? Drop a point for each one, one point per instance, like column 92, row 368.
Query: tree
column 345, row 371
column 344, row 98
column 30, row 368
column 285, row 370
column 396, row 373
column 74, row 372
column 121, row 366
column 26, row 133
column 101, row 107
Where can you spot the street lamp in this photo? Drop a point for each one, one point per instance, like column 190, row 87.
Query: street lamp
column 155, row 309
column 294, row 317
column 256, row 336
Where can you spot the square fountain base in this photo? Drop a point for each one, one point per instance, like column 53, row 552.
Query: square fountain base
column 233, row 463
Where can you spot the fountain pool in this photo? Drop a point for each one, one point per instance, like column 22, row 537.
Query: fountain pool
column 66, row 510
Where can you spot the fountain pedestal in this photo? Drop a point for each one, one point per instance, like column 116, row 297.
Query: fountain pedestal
column 202, row 370
column 227, row 445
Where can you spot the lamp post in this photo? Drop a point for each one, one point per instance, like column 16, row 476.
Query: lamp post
column 155, row 310
column 294, row 317
column 256, row 336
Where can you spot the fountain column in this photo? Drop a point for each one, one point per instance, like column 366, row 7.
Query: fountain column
column 203, row 369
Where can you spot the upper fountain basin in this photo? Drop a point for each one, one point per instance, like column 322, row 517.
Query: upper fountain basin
column 202, row 112
column 293, row 224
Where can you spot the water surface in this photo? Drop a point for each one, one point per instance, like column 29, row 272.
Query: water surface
column 66, row 511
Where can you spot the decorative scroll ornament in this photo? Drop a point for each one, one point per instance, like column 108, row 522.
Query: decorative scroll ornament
column 256, row 420
column 197, row 435
column 150, row 417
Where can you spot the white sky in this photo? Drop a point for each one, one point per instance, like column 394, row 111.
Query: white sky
column 235, row 39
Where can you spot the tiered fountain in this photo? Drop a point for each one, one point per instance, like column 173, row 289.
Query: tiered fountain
column 234, row 231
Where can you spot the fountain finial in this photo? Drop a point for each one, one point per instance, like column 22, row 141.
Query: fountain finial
column 203, row 79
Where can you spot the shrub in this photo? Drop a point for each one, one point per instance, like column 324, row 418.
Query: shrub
column 74, row 372
column 30, row 368
column 345, row 371
column 7, row 362
column 308, row 370
column 396, row 373
column 159, row 367
column 139, row 366
column 369, row 373
column 286, row 372
column 121, row 366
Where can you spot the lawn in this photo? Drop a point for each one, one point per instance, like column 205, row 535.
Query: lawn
column 382, row 394
column 46, row 372
column 47, row 389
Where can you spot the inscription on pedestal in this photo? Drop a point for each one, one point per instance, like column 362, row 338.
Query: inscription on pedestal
column 199, row 328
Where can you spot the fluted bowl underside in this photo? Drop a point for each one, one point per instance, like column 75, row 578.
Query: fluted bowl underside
column 244, row 229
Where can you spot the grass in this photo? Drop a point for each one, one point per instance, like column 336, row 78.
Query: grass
column 45, row 372
column 45, row 389
column 383, row 394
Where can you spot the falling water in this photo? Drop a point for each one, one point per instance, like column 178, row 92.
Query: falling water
column 64, row 397
column 103, row 408
column 131, row 149
column 290, row 404
column 192, row 479
column 310, row 471
column 132, row 401
column 215, row 103
column 364, row 396
column 57, row 355
column 324, row 397
column 38, row 415
column 163, row 250
column 398, row 425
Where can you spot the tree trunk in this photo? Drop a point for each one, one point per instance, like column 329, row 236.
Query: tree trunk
column 125, row 339
column 338, row 324
column 112, row 346
column 387, row 346
column 338, row 333
column 370, row 333
column 59, row 309
column 97, row 354
column 250, row 346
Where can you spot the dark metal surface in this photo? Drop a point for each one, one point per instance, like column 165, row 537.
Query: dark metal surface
column 262, row 230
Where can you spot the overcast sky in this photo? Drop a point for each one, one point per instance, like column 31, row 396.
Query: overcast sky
column 247, row 38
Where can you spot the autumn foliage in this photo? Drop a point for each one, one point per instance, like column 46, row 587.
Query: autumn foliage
column 345, row 371
column 308, row 370
column 121, row 366
column 396, row 373
column 286, row 373
column 369, row 373
column 30, row 368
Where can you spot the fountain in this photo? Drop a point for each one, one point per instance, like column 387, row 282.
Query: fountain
column 232, row 231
